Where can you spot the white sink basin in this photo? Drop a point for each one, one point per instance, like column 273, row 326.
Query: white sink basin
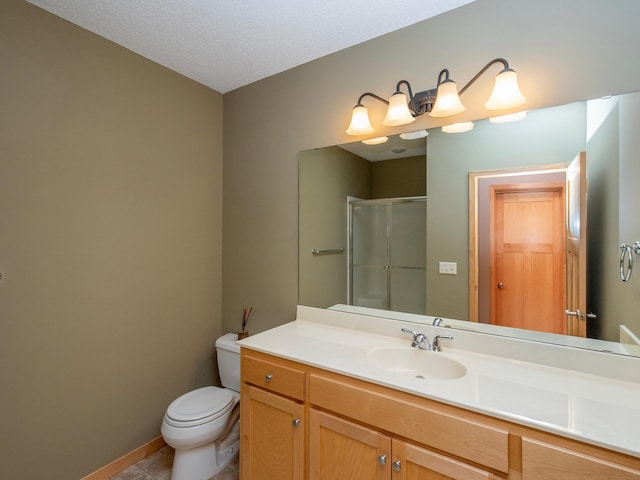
column 416, row 363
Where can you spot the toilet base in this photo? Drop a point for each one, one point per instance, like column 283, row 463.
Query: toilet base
column 203, row 462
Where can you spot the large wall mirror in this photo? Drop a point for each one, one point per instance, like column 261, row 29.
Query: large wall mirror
column 464, row 179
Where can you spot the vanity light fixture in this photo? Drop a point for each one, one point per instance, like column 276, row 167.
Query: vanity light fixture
column 442, row 101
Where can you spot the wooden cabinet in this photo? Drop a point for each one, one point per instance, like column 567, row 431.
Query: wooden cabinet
column 302, row 422
column 547, row 461
column 272, row 422
column 340, row 449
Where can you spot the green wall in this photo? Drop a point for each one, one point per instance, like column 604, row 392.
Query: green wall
column 110, row 244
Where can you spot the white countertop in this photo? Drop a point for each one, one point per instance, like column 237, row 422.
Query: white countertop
column 578, row 405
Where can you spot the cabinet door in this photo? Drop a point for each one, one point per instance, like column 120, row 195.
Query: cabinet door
column 272, row 437
column 411, row 462
column 341, row 450
column 543, row 461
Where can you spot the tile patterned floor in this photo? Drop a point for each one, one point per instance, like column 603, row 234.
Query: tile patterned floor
column 157, row 466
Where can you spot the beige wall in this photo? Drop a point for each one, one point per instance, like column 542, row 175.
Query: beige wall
column 563, row 52
column 110, row 244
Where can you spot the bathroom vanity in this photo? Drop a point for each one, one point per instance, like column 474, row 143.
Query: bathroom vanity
column 336, row 395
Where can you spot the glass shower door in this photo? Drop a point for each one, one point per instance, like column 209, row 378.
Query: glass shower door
column 408, row 257
column 369, row 253
column 388, row 254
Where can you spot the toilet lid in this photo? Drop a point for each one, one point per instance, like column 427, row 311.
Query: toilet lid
column 200, row 406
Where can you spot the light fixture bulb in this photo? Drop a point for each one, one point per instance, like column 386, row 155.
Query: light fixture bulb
column 506, row 93
column 458, row 127
column 447, row 100
column 398, row 112
column 360, row 123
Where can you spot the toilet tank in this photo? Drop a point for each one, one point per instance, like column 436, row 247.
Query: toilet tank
column 228, row 353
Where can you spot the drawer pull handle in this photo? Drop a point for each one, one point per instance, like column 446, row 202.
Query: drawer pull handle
column 296, row 422
column 382, row 459
column 396, row 465
column 268, row 377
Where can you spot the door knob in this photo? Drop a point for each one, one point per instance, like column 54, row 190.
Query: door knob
column 382, row 459
column 396, row 465
column 500, row 285
column 296, row 422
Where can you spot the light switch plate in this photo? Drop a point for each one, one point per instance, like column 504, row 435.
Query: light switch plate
column 448, row 268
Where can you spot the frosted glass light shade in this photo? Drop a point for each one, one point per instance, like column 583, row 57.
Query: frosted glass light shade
column 398, row 112
column 360, row 123
column 510, row 117
column 458, row 127
column 447, row 100
column 375, row 141
column 506, row 93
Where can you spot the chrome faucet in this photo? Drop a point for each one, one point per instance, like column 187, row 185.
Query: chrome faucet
column 436, row 342
column 421, row 341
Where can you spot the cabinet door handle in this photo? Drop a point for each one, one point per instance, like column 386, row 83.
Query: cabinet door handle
column 296, row 422
column 396, row 465
column 382, row 459
column 268, row 377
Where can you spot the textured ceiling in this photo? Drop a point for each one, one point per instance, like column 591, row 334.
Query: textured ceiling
column 226, row 44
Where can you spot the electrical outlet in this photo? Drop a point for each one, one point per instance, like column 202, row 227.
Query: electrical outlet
column 448, row 268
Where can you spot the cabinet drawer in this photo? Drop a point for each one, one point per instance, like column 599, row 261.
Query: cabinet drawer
column 273, row 376
column 543, row 461
column 455, row 432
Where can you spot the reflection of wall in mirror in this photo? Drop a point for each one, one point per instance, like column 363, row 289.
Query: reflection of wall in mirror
column 547, row 136
column 613, row 175
column 327, row 176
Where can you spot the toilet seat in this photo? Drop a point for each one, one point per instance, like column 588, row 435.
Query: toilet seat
column 199, row 406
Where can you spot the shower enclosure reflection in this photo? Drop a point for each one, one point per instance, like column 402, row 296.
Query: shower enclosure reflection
column 329, row 178
column 387, row 268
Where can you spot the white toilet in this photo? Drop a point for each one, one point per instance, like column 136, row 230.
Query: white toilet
column 203, row 425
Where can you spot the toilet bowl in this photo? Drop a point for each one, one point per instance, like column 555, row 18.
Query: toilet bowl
column 203, row 425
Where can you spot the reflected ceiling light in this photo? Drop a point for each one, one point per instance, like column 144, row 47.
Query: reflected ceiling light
column 458, row 127
column 442, row 101
column 375, row 141
column 511, row 117
column 414, row 135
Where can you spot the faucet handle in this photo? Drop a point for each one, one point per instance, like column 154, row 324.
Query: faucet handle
column 436, row 342
column 418, row 338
